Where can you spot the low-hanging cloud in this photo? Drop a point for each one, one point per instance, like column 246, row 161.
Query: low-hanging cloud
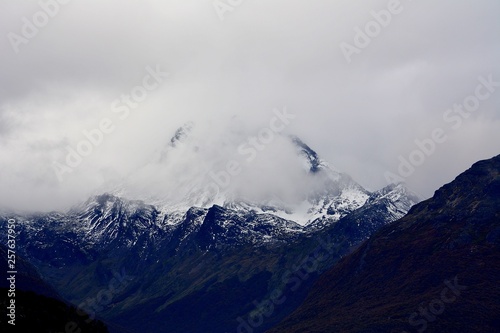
column 360, row 116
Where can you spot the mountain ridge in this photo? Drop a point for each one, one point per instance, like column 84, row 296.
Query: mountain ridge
column 448, row 242
column 188, row 252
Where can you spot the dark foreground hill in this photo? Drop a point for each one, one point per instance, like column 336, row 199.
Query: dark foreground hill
column 37, row 313
column 435, row 270
column 37, row 307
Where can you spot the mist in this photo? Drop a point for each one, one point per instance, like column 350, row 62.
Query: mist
column 226, row 71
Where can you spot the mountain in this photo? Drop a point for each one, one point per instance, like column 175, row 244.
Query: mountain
column 434, row 270
column 388, row 204
column 285, row 177
column 27, row 278
column 37, row 306
column 175, row 267
column 219, row 258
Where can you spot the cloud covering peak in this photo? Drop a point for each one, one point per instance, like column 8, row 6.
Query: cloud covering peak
column 66, row 78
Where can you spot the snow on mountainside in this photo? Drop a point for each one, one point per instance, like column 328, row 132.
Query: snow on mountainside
column 109, row 224
column 302, row 194
column 286, row 178
column 398, row 197
column 384, row 206
column 106, row 218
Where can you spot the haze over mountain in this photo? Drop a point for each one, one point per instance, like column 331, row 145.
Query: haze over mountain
column 277, row 171
column 359, row 116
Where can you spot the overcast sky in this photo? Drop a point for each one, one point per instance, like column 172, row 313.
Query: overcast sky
column 242, row 60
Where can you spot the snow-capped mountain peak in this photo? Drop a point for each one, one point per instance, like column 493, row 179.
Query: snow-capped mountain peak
column 286, row 178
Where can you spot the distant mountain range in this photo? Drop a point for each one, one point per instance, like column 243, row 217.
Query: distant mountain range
column 286, row 178
column 217, row 261
column 182, row 255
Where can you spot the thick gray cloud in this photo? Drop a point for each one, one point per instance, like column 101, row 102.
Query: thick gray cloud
column 360, row 116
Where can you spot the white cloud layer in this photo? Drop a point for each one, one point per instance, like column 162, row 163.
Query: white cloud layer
column 360, row 116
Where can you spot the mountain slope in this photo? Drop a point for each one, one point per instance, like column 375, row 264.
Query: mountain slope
column 436, row 269
column 38, row 307
column 27, row 278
